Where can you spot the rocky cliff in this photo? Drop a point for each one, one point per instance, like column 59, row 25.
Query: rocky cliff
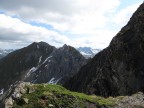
column 118, row 69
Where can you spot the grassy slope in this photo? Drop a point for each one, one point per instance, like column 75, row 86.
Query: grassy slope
column 47, row 96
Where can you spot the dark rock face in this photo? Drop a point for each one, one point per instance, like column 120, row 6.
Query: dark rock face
column 118, row 69
column 134, row 101
column 15, row 65
column 62, row 64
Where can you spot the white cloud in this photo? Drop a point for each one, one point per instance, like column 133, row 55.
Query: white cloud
column 92, row 21
column 122, row 17
column 14, row 30
column 20, row 34
column 95, row 41
column 76, row 16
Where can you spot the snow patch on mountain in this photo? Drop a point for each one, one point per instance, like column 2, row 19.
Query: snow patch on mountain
column 95, row 51
column 33, row 69
column 2, row 91
column 53, row 81
column 37, row 46
column 47, row 59
column 40, row 59
column 83, row 53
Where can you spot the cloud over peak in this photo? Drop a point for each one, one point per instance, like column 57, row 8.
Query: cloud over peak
column 75, row 22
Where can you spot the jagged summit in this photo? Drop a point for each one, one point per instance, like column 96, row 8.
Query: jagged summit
column 118, row 69
column 65, row 45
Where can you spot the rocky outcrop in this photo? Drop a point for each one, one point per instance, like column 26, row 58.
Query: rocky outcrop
column 9, row 102
column 134, row 101
column 118, row 69
column 17, row 93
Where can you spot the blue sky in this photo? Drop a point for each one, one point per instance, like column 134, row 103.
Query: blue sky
column 78, row 23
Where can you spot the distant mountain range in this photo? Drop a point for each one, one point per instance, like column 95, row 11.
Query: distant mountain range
column 4, row 52
column 88, row 52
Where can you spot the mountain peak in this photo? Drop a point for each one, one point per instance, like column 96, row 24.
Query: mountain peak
column 134, row 26
column 39, row 45
column 42, row 43
column 65, row 46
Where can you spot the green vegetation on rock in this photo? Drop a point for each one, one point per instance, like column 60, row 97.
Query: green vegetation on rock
column 56, row 96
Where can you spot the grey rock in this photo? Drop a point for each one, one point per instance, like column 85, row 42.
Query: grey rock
column 25, row 100
column 31, row 89
column 134, row 101
column 16, row 94
column 51, row 105
column 9, row 102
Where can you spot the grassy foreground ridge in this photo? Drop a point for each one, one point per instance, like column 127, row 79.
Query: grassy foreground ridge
column 56, row 96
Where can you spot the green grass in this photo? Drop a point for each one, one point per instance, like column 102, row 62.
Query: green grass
column 56, row 95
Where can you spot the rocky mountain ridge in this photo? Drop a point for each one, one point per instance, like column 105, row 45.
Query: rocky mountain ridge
column 119, row 68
